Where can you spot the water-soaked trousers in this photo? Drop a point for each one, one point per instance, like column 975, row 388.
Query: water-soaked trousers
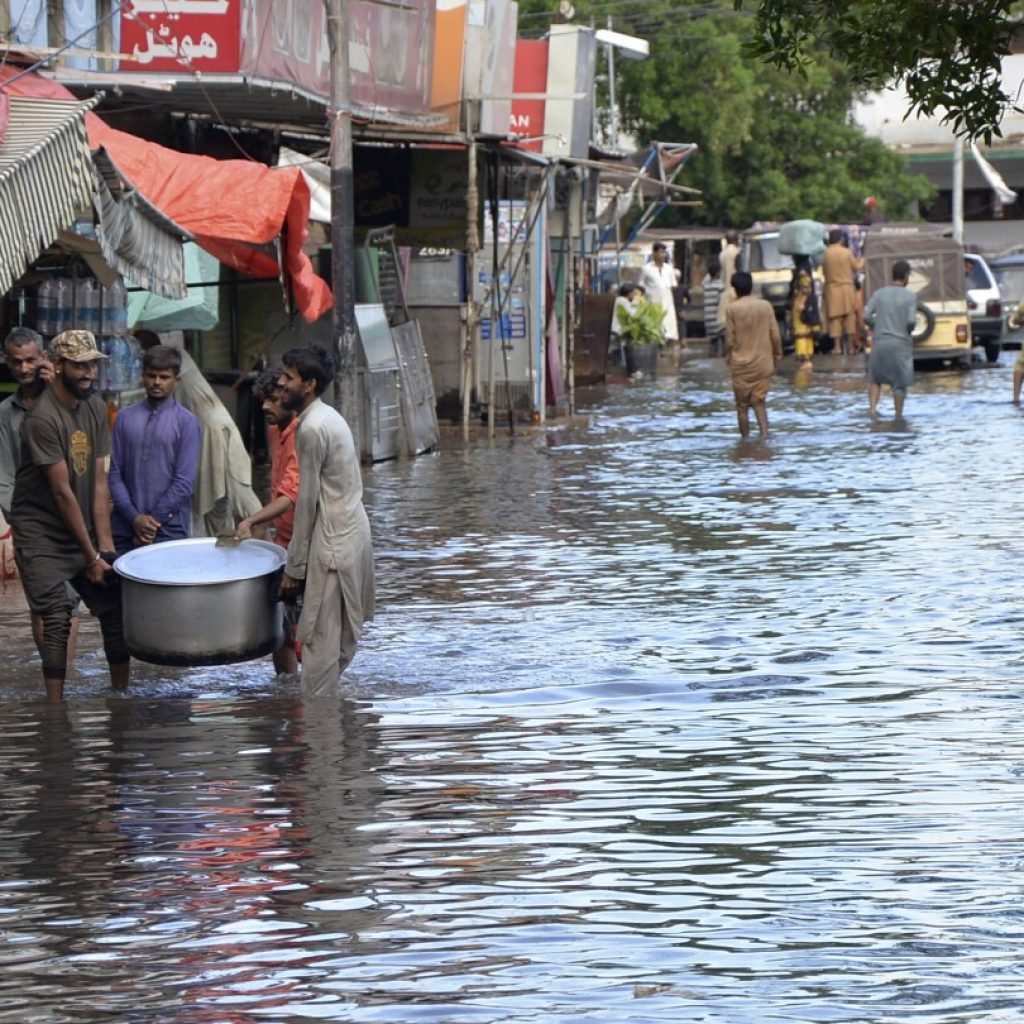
column 43, row 577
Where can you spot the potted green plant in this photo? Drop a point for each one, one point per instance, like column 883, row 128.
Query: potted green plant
column 642, row 335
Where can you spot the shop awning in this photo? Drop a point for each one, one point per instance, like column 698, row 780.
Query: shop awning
column 46, row 177
column 235, row 209
column 196, row 311
column 137, row 239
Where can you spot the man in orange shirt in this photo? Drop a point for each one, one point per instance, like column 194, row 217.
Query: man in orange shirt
column 284, row 490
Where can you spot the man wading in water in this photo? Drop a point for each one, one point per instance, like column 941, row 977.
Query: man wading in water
column 284, row 492
column 23, row 349
column 753, row 348
column 61, row 511
column 330, row 547
column 890, row 315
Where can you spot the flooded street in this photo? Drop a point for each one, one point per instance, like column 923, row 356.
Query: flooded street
column 652, row 725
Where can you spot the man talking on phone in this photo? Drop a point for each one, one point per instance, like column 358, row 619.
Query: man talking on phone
column 25, row 355
column 60, row 512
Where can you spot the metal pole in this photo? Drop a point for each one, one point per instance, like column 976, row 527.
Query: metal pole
column 613, row 110
column 495, row 285
column 575, row 198
column 958, row 190
column 472, row 248
column 346, row 388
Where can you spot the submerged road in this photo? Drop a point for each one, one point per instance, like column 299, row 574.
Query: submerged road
column 652, row 725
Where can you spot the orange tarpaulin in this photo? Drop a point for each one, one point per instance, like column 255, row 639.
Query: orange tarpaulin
column 230, row 206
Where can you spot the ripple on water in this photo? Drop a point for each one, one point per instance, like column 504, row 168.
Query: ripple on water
column 651, row 725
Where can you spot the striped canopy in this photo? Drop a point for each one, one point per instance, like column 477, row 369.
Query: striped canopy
column 46, row 177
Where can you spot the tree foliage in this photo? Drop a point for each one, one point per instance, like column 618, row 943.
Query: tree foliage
column 774, row 143
column 946, row 53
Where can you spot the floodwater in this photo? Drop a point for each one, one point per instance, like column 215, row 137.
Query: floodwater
column 653, row 725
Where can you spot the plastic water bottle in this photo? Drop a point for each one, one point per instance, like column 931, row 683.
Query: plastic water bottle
column 46, row 307
column 115, row 308
column 87, row 302
column 108, row 366
column 103, row 372
column 133, row 362
column 118, row 353
column 65, row 298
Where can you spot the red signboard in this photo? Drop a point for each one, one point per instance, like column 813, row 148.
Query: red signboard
column 531, row 76
column 181, row 35
column 405, row 57
column 391, row 50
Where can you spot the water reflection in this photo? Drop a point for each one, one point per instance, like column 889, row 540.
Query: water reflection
column 653, row 725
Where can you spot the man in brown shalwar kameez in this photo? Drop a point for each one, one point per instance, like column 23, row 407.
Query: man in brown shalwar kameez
column 840, row 268
column 753, row 348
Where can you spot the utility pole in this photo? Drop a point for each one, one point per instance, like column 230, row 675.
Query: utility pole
column 613, row 109
column 343, row 283
column 958, row 189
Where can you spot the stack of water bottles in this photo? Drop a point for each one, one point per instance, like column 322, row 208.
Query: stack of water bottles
column 122, row 370
column 65, row 304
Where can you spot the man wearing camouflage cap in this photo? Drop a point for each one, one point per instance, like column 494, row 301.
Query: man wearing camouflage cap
column 61, row 510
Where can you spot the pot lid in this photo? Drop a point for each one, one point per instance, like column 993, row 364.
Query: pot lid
column 199, row 561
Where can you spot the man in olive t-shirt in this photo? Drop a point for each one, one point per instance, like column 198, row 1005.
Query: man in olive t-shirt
column 60, row 511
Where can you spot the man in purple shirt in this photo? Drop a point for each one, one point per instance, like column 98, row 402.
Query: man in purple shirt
column 153, row 459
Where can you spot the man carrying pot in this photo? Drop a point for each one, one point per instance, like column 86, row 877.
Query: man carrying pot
column 26, row 359
column 284, row 492
column 61, row 511
column 331, row 549
column 155, row 454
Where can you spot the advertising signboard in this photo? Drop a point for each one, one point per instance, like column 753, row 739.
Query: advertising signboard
column 392, row 50
column 405, row 57
column 181, row 35
column 531, row 76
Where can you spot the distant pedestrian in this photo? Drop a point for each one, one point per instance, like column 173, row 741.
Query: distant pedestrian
column 729, row 258
column 872, row 214
column 659, row 279
column 840, row 268
column 154, row 458
column 1013, row 322
column 714, row 324
column 890, row 314
column 626, row 299
column 753, row 348
column 805, row 319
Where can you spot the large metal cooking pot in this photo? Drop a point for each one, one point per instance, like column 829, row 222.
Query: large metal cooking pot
column 197, row 602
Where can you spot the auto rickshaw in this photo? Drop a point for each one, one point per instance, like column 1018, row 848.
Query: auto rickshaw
column 943, row 328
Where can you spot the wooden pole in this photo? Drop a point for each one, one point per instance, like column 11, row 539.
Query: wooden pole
column 347, row 392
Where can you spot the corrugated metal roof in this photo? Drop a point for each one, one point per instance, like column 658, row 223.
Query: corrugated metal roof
column 46, row 177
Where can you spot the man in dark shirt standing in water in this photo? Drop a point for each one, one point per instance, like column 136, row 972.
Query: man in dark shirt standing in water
column 61, row 510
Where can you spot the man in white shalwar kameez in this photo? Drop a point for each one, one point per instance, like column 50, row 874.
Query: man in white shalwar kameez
column 659, row 278
column 331, row 548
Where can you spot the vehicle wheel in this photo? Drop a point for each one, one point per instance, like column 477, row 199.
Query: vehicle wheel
column 992, row 350
column 924, row 324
